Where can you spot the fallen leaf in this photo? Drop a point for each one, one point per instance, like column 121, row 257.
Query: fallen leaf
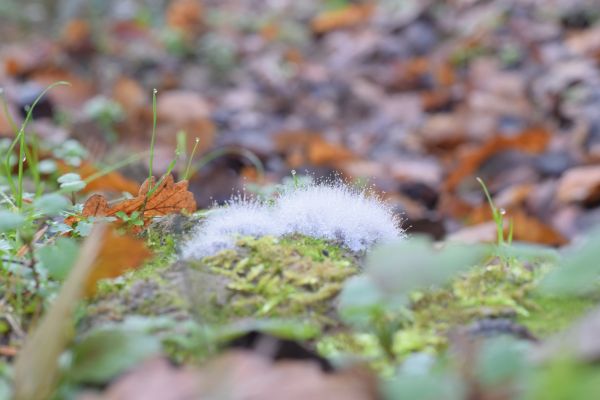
column 526, row 227
column 130, row 95
column 185, row 16
column 112, row 181
column 187, row 111
column 77, row 36
column 168, row 198
column 156, row 378
column 532, row 140
column 346, row 17
column 8, row 351
column 80, row 89
column 238, row 375
column 301, row 147
column 580, row 185
column 118, row 254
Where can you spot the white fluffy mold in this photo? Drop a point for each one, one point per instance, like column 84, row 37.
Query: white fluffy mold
column 356, row 218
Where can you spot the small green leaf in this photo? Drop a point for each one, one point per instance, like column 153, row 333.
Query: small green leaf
column 47, row 166
column 410, row 264
column 69, row 178
column 70, row 187
column 501, row 359
column 59, row 257
column 51, row 204
column 10, row 220
column 71, row 182
column 580, row 271
column 424, row 387
column 104, row 354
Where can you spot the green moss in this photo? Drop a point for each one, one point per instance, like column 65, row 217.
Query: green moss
column 552, row 314
column 153, row 289
column 270, row 277
column 491, row 291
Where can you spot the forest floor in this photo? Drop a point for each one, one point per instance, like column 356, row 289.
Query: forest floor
column 426, row 185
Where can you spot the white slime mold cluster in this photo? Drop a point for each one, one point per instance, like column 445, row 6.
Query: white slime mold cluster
column 357, row 218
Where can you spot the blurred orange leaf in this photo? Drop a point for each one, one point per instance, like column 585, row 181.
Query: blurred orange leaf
column 118, row 254
column 77, row 35
column 185, row 16
column 532, row 140
column 302, row 147
column 526, row 227
column 112, row 181
column 346, row 17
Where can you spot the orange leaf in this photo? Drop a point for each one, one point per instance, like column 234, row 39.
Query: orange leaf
column 168, row 198
column 185, row 16
column 118, row 254
column 112, row 181
column 530, row 229
column 533, row 140
column 301, row 147
column 526, row 227
column 77, row 35
column 346, row 17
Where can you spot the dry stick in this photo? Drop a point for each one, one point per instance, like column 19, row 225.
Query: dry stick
column 36, row 367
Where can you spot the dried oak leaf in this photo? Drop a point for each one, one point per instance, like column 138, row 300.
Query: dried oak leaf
column 118, row 254
column 168, row 198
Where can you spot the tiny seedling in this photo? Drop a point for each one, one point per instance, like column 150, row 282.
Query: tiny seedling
column 498, row 215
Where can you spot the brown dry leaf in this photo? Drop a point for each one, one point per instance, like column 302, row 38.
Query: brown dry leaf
column 301, row 147
column 112, row 181
column 77, row 36
column 185, row 16
column 130, row 95
column 184, row 110
column 526, row 227
column 533, row 140
column 8, row 351
column 530, row 229
column 168, row 198
column 346, row 17
column 420, row 72
column 73, row 96
column 581, row 184
column 118, row 254
column 270, row 31
column 21, row 60
column 238, row 375
column 434, row 100
column 156, row 378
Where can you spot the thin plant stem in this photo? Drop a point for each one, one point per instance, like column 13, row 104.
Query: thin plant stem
column 189, row 164
column 153, row 139
column 20, row 139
